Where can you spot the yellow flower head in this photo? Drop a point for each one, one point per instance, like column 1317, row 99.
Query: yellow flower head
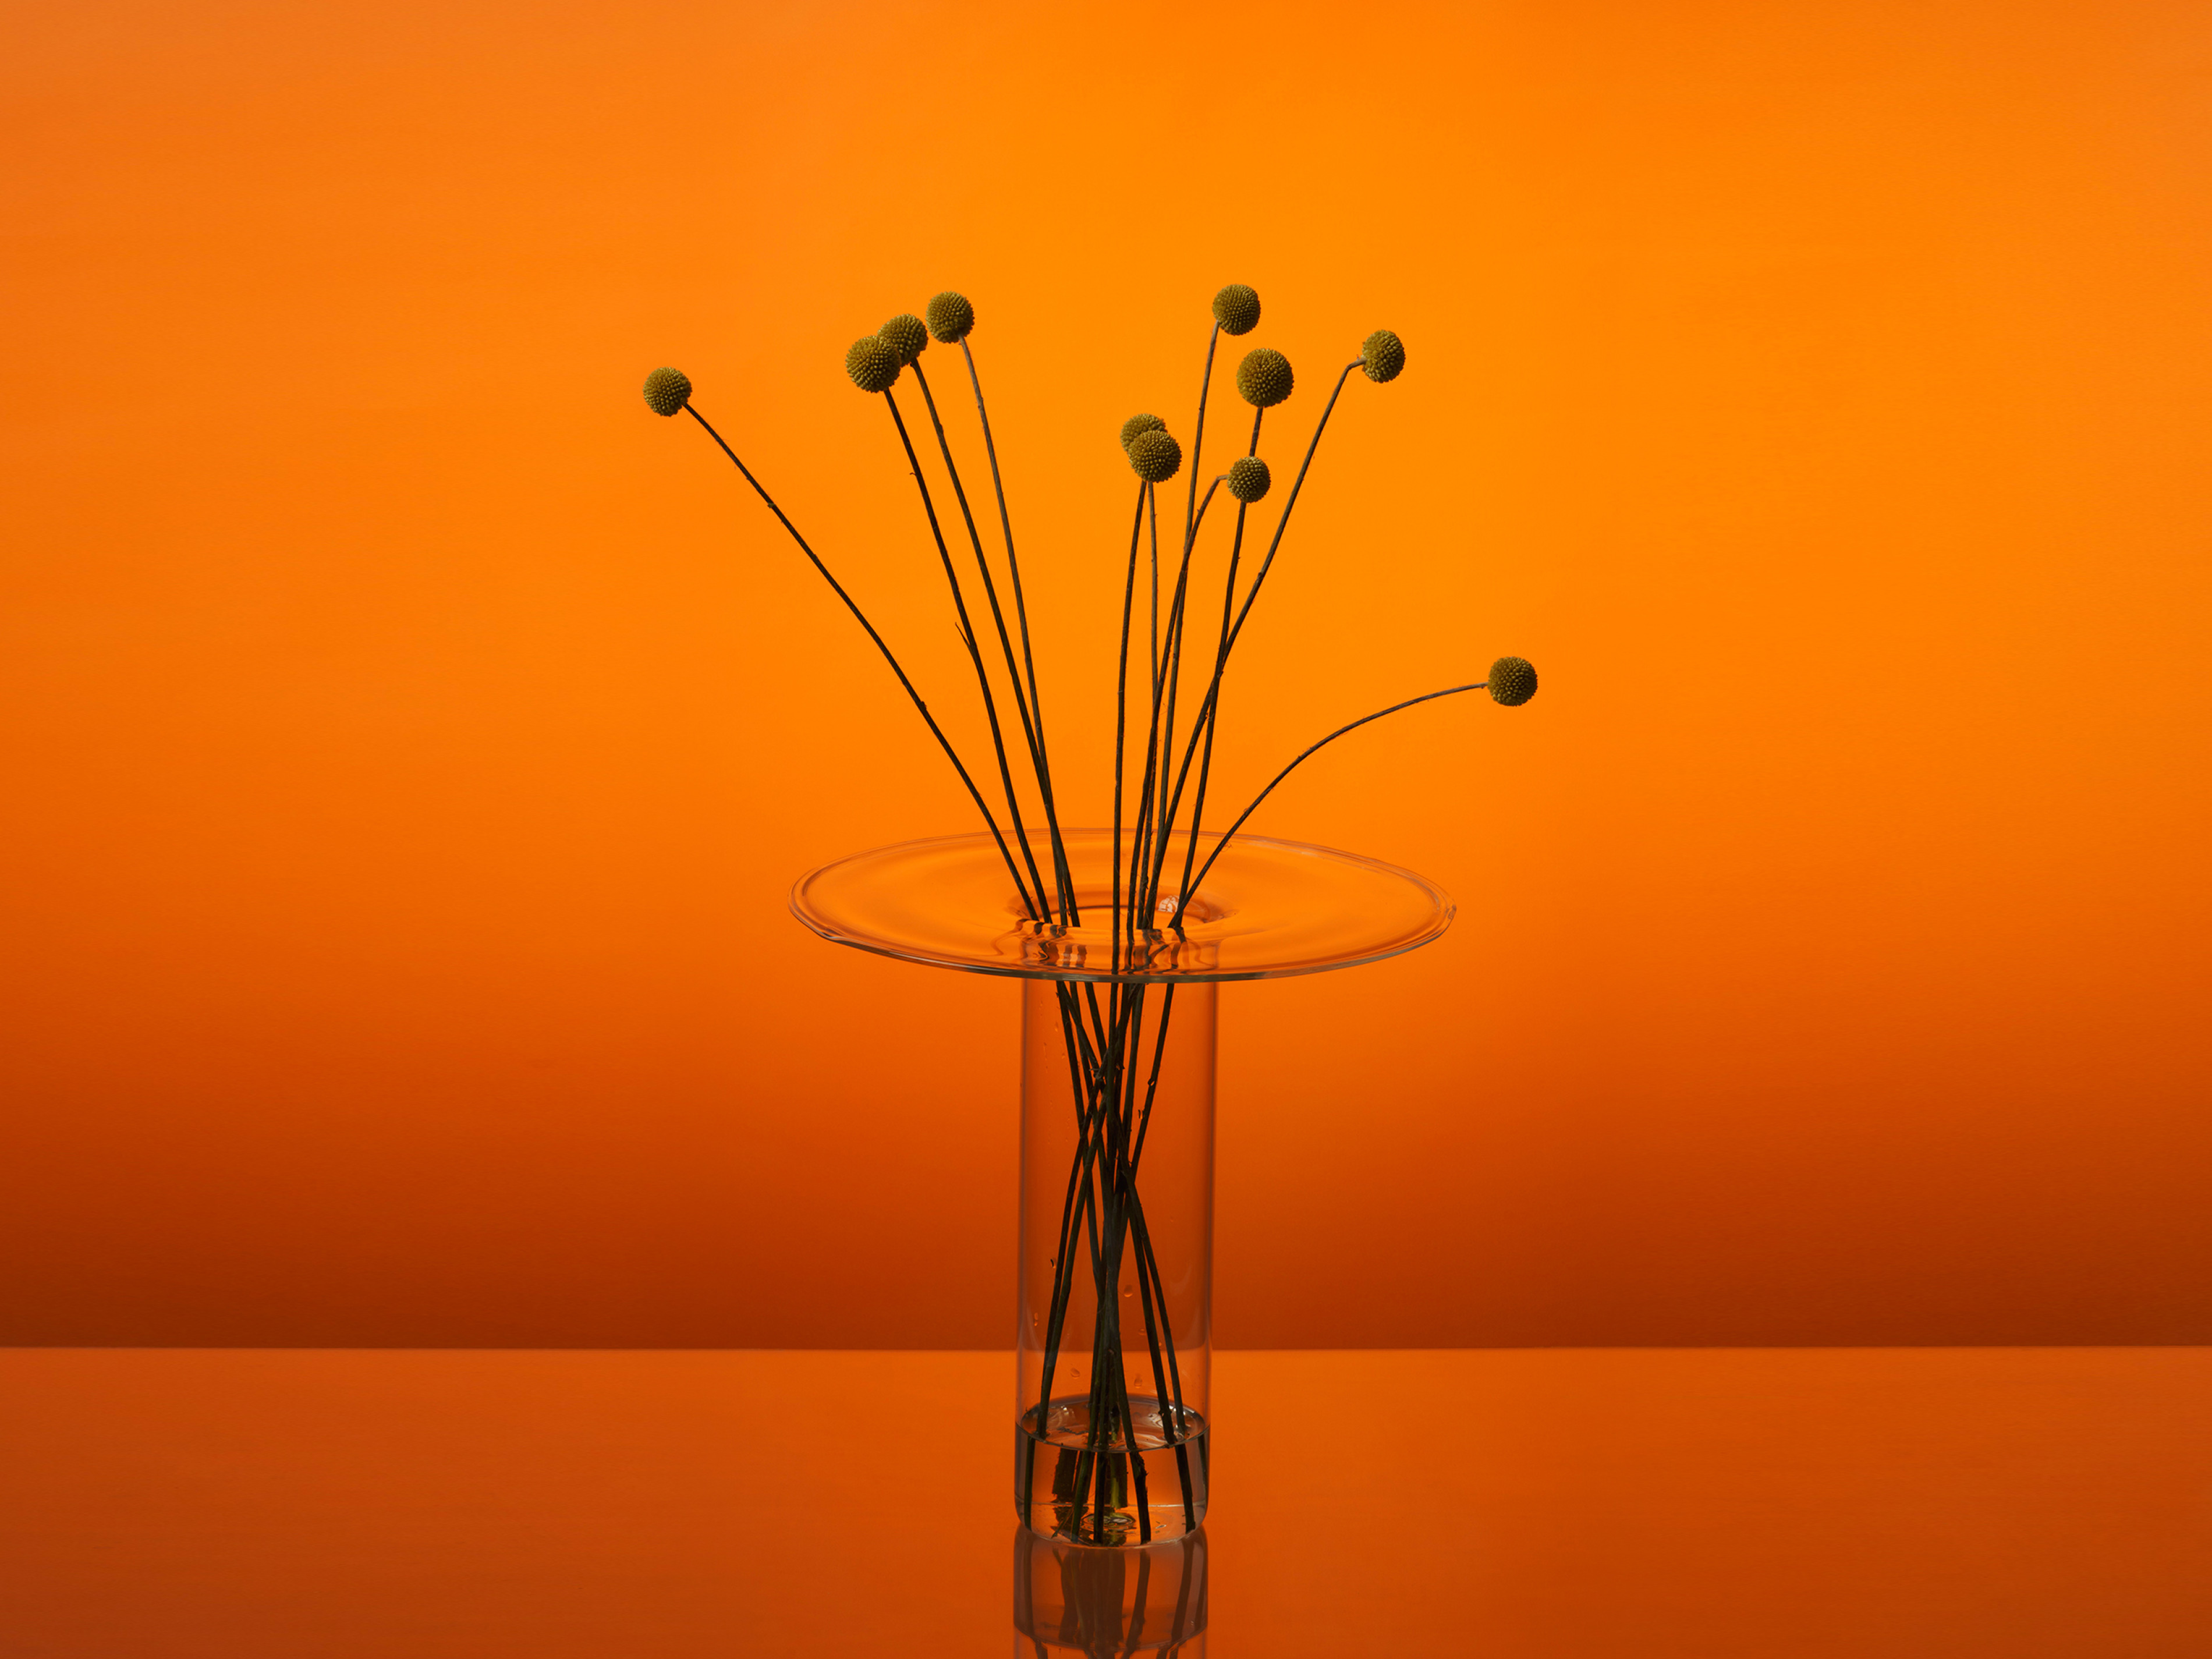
column 1155, row 456
column 1381, row 355
column 1237, row 308
column 1264, row 379
column 1512, row 681
column 1138, row 424
column 667, row 390
column 1248, row 478
column 905, row 335
column 873, row 363
column 950, row 318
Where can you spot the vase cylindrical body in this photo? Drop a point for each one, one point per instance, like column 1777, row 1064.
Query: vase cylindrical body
column 1071, row 1602
column 1114, row 1341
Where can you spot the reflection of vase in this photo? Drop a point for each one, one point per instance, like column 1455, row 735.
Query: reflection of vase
column 1075, row 1603
column 1116, row 1259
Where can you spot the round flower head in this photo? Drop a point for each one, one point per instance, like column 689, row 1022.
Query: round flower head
column 1136, row 425
column 1512, row 681
column 1155, row 456
column 905, row 335
column 1237, row 308
column 1381, row 355
column 1248, row 478
column 950, row 318
column 667, row 390
column 1263, row 378
column 873, row 363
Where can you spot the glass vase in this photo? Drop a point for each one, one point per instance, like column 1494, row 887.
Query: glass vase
column 1114, row 1339
column 1076, row 1603
column 1115, row 1345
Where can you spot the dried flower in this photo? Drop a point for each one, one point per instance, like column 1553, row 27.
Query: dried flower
column 905, row 335
column 950, row 318
column 667, row 390
column 1381, row 355
column 1155, row 456
column 1138, row 424
column 1263, row 378
column 873, row 363
column 1237, row 308
column 1512, row 681
column 1248, row 478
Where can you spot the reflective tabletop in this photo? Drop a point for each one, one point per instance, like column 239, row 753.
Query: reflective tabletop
column 169, row 1504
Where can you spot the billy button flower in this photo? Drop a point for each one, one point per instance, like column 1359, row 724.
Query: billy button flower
column 873, row 363
column 950, row 318
column 1248, row 478
column 1512, row 681
column 1237, row 308
column 1264, row 378
column 667, row 390
column 1155, row 456
column 1137, row 425
column 1381, row 355
column 906, row 335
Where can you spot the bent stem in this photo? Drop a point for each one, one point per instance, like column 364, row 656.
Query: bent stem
column 1426, row 696
column 913, row 697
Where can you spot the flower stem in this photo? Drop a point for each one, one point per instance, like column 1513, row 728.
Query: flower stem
column 1120, row 723
column 1209, row 721
column 1030, row 737
column 1021, row 624
column 1426, row 696
column 860, row 616
column 1040, row 908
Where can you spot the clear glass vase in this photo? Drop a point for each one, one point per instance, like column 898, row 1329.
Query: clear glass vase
column 1076, row 1603
column 1116, row 1343
column 1113, row 1342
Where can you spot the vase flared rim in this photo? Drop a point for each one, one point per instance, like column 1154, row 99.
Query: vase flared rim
column 1268, row 910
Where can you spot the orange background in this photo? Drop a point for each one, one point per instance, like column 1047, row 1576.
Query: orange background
column 411, row 740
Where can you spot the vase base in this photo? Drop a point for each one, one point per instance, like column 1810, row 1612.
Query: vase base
column 1111, row 1496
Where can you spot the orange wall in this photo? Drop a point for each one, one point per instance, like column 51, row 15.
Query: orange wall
column 410, row 740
